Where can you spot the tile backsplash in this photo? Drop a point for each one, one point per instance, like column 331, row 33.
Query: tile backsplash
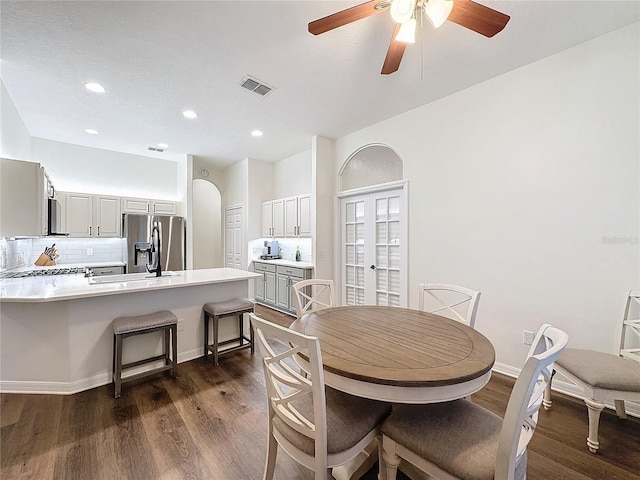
column 288, row 245
column 24, row 252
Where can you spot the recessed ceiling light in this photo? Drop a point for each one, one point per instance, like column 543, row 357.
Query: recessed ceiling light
column 189, row 114
column 94, row 87
column 91, row 131
column 256, row 133
column 163, row 145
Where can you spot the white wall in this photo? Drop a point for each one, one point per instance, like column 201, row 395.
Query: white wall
column 207, row 225
column 526, row 187
column 292, row 176
column 260, row 189
column 15, row 140
column 323, row 207
column 75, row 168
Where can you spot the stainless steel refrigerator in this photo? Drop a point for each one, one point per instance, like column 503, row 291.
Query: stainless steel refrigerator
column 137, row 231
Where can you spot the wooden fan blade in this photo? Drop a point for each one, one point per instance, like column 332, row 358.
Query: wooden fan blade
column 349, row 15
column 394, row 54
column 484, row 20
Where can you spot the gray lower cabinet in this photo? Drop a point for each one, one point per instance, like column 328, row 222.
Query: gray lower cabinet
column 265, row 285
column 274, row 287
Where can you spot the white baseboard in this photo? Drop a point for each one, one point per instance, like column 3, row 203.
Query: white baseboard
column 69, row 388
column 567, row 388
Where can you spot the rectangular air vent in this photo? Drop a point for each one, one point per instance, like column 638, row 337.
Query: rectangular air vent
column 255, row 85
column 155, row 149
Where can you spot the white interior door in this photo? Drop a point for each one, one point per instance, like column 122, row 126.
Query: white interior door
column 374, row 248
column 233, row 224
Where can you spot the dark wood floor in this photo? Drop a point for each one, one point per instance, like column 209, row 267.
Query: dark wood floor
column 210, row 424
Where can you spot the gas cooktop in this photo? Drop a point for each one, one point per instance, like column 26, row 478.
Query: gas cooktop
column 46, row 271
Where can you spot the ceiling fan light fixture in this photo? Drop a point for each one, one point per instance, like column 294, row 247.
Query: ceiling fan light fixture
column 437, row 11
column 407, row 33
column 402, row 10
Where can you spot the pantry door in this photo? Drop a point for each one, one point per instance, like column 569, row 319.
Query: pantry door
column 374, row 248
column 233, row 225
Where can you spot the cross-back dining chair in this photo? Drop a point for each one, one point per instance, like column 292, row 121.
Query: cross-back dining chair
column 461, row 440
column 319, row 427
column 452, row 301
column 313, row 294
column 605, row 377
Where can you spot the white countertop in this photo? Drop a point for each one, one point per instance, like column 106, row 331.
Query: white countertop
column 286, row 263
column 51, row 288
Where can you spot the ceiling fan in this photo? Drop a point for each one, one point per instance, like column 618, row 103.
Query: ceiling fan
column 469, row 14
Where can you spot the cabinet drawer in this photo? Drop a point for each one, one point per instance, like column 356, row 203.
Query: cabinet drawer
column 99, row 271
column 294, row 272
column 263, row 267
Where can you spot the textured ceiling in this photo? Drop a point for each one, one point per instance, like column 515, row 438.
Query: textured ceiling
column 157, row 58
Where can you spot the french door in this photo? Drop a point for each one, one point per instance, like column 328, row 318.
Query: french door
column 374, row 248
column 233, row 238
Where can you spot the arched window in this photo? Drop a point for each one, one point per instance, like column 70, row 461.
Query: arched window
column 370, row 165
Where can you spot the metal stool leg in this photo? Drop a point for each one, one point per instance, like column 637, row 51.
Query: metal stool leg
column 118, row 372
column 216, row 327
column 251, row 338
column 174, row 345
column 206, row 334
column 165, row 335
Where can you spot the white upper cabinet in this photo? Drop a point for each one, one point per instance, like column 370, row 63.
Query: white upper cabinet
column 107, row 216
column 136, row 205
column 95, row 216
column 163, row 207
column 297, row 216
column 273, row 218
column 24, row 190
column 304, row 216
column 144, row 205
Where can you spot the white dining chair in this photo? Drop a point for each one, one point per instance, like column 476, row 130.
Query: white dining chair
column 318, row 426
column 605, row 377
column 451, row 301
column 461, row 440
column 313, row 294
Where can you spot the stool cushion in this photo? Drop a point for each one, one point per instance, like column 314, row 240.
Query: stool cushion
column 234, row 305
column 143, row 322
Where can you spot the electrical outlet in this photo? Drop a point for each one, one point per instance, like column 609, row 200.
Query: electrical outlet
column 528, row 337
column 89, row 252
column 180, row 325
column 20, row 258
column 322, row 253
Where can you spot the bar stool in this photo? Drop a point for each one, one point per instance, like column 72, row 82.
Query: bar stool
column 236, row 306
column 124, row 327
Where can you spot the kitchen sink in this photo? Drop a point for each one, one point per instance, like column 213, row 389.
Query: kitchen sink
column 130, row 277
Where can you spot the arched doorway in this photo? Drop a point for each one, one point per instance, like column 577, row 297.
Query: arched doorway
column 374, row 230
column 207, row 225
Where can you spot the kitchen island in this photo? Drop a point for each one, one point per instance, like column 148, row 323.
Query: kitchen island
column 55, row 331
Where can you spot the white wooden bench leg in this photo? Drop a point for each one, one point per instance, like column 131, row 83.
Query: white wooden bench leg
column 620, row 411
column 595, row 407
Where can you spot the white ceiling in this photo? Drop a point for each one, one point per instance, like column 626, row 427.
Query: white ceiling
column 157, row 58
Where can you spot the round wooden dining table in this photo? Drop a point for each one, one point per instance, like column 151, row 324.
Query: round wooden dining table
column 397, row 354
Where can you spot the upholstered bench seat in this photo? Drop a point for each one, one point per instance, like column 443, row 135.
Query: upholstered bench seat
column 217, row 310
column 123, row 327
column 459, row 435
column 601, row 370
